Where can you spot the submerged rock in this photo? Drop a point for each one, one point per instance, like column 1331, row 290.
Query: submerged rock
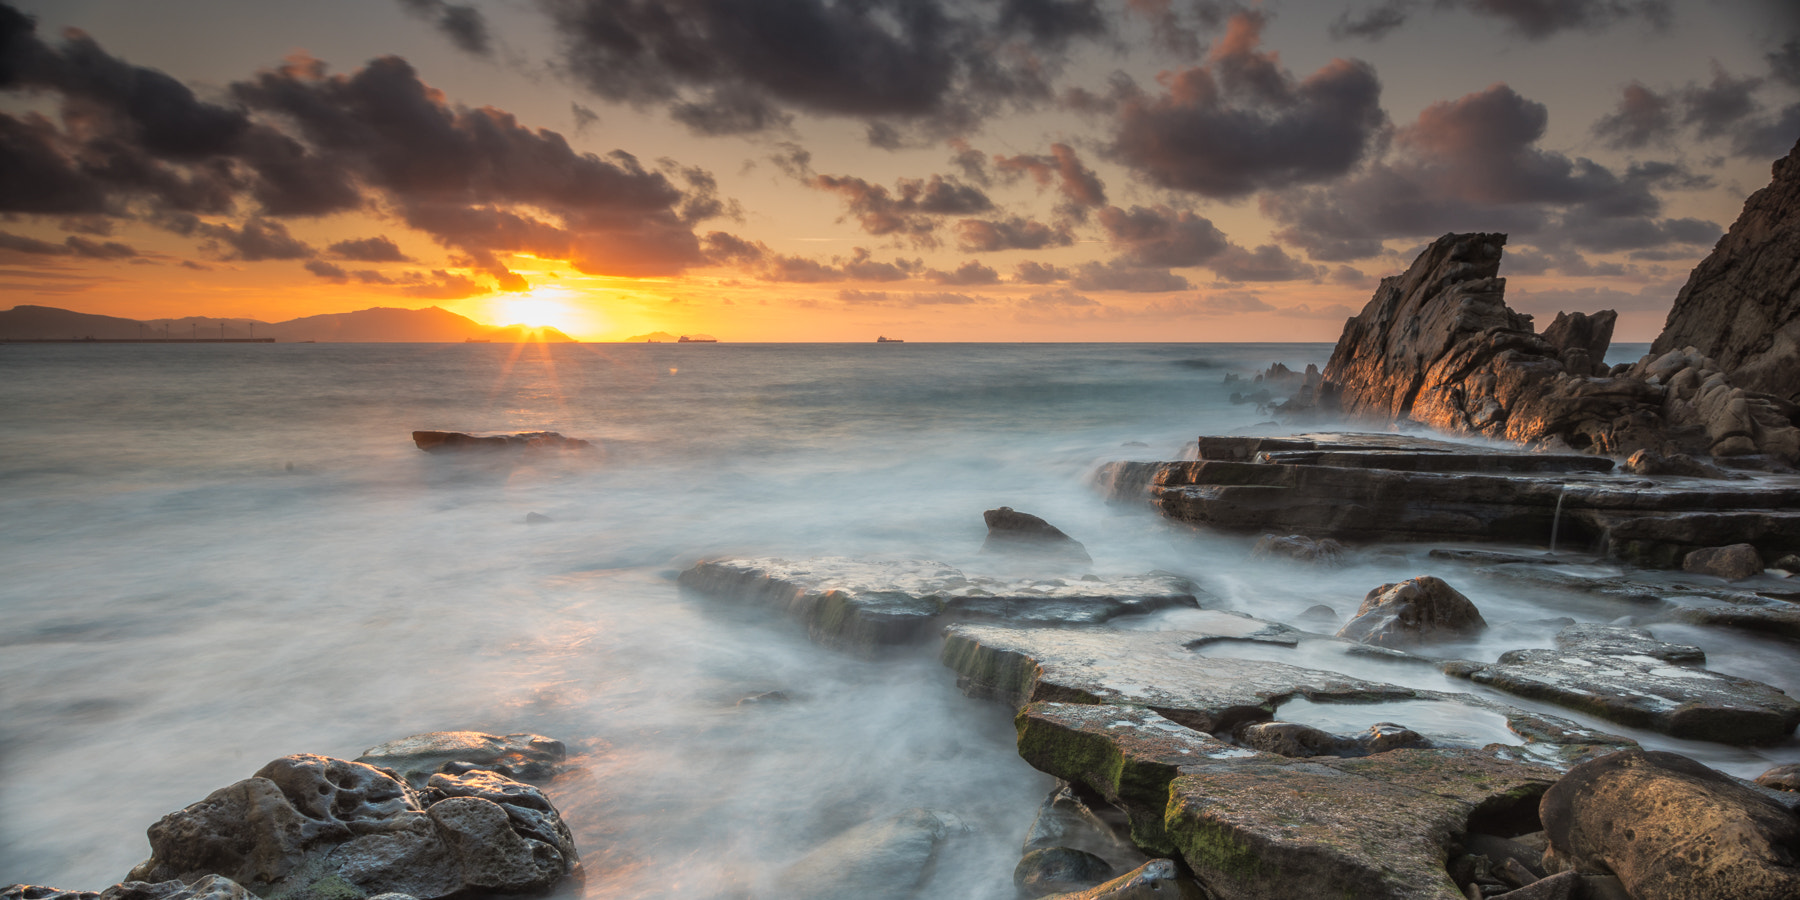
column 1157, row 879
column 442, row 441
column 1023, row 534
column 863, row 604
column 1057, row 870
column 1066, row 820
column 887, row 859
column 315, row 828
column 1624, row 675
column 1416, row 611
column 1294, row 546
column 526, row 757
column 1672, row 829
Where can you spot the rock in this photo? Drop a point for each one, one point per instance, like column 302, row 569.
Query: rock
column 1065, row 820
column 40, row 892
column 315, row 828
column 1157, row 879
column 1417, row 611
column 1624, row 675
column 526, row 757
column 1294, row 546
column 1733, row 563
column 1561, row 886
column 1376, row 826
column 1014, row 532
column 887, row 859
column 1645, row 462
column 1578, row 333
column 532, row 518
column 1789, row 563
column 862, row 604
column 1776, row 618
column 1672, row 829
column 1784, row 777
column 1741, row 305
column 443, row 441
column 1055, row 870
column 1319, row 616
column 211, row 887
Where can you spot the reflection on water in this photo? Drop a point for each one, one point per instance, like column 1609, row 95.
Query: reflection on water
column 212, row 556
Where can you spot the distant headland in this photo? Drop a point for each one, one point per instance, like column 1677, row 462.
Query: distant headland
column 375, row 325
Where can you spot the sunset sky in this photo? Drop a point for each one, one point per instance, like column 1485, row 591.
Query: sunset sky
column 799, row 170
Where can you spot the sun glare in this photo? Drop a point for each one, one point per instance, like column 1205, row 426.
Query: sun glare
column 540, row 309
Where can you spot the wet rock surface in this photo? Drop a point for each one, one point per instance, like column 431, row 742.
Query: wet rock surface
column 526, row 757
column 1416, row 611
column 455, row 441
column 1733, row 563
column 1624, row 675
column 1059, row 870
column 1158, row 879
column 1011, row 532
column 888, row 859
column 1782, row 778
column 856, row 603
column 1672, row 829
column 314, row 828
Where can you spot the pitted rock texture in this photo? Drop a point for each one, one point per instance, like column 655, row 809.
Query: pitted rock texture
column 1624, row 675
column 1782, row 778
column 1413, row 612
column 526, row 757
column 1672, row 829
column 314, row 828
column 864, row 604
column 1375, row 826
column 212, row 887
column 1741, row 305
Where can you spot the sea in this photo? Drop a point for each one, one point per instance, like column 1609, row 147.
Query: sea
column 215, row 555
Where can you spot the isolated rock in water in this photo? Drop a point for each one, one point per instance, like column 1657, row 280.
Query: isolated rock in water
column 526, row 757
column 315, row 828
column 1782, row 778
column 887, row 859
column 1011, row 531
column 1741, row 305
column 1065, row 820
column 440, row 441
column 1056, row 870
column 1733, row 563
column 532, row 518
column 1624, row 675
column 1300, row 547
column 1413, row 612
column 862, row 604
column 1154, row 880
column 1776, row 618
column 1672, row 829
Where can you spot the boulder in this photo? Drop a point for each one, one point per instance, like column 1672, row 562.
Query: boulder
column 211, row 887
column 1299, row 547
column 454, row 441
column 887, row 859
column 526, row 757
column 315, row 828
column 1741, row 305
column 41, row 892
column 1056, row 870
column 1732, row 563
column 1066, row 820
column 1672, row 829
column 1789, row 563
column 1645, row 462
column 1624, row 675
column 1785, row 777
column 1023, row 534
column 863, row 605
column 1158, row 878
column 1417, row 611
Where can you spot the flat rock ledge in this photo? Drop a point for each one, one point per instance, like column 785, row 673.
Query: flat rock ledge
column 1385, row 487
column 1623, row 675
column 863, row 605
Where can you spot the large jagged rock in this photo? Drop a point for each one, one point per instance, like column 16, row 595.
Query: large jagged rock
column 1438, row 346
column 863, row 604
column 314, row 828
column 1413, row 612
column 1672, row 829
column 1741, row 305
column 1624, row 675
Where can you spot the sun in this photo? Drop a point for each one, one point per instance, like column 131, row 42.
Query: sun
column 540, row 308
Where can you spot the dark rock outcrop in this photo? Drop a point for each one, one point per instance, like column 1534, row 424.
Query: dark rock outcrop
column 314, row 828
column 1741, row 305
column 1023, row 534
column 1672, row 829
column 1624, row 675
column 526, row 757
column 1413, row 612
column 442, row 441
column 1782, row 778
column 211, row 887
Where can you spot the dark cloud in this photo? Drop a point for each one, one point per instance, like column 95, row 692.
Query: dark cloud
column 1266, row 263
column 445, row 286
column 259, row 239
column 370, row 276
column 1531, row 19
column 73, row 245
column 327, row 271
column 885, row 298
column 1039, row 273
column 1226, row 303
column 971, row 272
column 1373, row 23
column 1162, row 237
column 1240, row 122
column 912, row 208
column 1643, row 116
column 1784, row 62
column 798, row 270
column 585, row 118
column 971, row 161
column 862, row 267
column 464, row 25
column 1014, row 233
column 374, row 249
column 743, row 64
column 1349, row 275
column 1181, row 28
column 1721, row 104
column 1079, row 186
column 1123, row 276
column 1727, row 108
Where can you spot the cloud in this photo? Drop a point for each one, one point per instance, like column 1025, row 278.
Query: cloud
column 744, row 65
column 72, row 245
column 862, row 267
column 1307, row 311
column 1118, row 275
column 1373, row 23
column 1039, row 273
column 912, row 208
column 1241, row 123
column 1266, row 263
column 259, row 239
column 1080, row 187
column 375, row 249
column 327, row 271
column 1642, row 116
column 445, row 286
column 1013, row 233
column 1531, row 19
column 1161, row 236
column 1728, row 108
column 971, row 272
column 463, row 25
column 885, row 298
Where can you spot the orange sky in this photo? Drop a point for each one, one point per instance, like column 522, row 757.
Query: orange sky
column 1057, row 171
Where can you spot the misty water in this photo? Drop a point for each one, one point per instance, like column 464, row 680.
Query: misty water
column 214, row 556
